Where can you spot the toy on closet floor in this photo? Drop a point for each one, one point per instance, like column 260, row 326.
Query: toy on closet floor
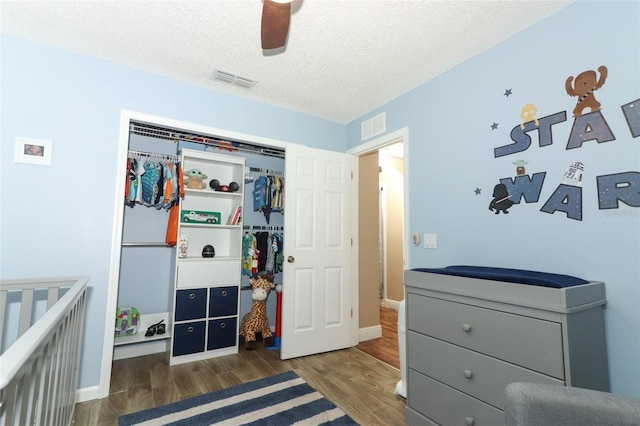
column 127, row 321
column 194, row 179
column 256, row 321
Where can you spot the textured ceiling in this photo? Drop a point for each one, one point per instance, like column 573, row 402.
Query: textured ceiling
column 343, row 58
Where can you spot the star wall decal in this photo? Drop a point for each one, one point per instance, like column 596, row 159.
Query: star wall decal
column 507, row 92
column 494, row 126
column 478, row 191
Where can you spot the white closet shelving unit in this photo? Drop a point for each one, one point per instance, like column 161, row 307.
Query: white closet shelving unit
column 207, row 289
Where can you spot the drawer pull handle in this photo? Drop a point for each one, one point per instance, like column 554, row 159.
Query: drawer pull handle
column 223, row 325
column 190, row 330
column 466, row 327
column 224, row 292
column 469, row 421
column 468, row 374
column 192, row 296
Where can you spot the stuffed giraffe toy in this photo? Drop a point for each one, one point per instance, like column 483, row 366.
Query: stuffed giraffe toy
column 256, row 321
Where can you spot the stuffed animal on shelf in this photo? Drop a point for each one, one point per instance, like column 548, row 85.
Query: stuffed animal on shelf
column 195, row 179
column 256, row 321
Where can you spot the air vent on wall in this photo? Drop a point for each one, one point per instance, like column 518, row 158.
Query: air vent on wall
column 374, row 126
column 228, row 77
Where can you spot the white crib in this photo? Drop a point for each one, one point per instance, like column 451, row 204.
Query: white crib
column 39, row 371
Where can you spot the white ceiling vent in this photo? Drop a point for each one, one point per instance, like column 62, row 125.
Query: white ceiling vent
column 228, row 77
column 374, row 126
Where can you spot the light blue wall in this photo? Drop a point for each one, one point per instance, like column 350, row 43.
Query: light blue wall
column 451, row 153
column 57, row 220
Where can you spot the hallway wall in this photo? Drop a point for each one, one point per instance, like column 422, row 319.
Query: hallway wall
column 392, row 179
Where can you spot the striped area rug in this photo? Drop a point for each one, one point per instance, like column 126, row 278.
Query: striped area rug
column 279, row 400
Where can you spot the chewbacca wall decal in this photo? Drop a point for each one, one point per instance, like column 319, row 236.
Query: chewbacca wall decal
column 585, row 84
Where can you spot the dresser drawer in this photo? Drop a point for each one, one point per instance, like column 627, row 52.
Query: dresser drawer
column 470, row 372
column 531, row 343
column 447, row 406
column 209, row 273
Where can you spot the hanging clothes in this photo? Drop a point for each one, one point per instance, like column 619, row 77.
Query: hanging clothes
column 248, row 251
column 268, row 195
column 261, row 244
column 275, row 258
column 131, row 182
column 262, row 252
column 150, row 183
column 152, row 180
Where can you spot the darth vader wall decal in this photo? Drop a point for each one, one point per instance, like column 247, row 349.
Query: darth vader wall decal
column 501, row 201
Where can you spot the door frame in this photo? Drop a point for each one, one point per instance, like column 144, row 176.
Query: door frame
column 401, row 135
column 126, row 117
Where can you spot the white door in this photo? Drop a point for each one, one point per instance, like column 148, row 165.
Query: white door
column 316, row 295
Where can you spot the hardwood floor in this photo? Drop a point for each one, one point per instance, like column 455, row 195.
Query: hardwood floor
column 385, row 348
column 361, row 385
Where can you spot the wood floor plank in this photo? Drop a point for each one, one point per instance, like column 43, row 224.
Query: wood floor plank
column 164, row 395
column 357, row 381
column 385, row 348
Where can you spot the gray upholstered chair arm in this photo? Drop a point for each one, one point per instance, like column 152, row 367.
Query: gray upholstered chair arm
column 534, row 404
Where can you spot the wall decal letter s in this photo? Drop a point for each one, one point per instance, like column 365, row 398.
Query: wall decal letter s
column 523, row 140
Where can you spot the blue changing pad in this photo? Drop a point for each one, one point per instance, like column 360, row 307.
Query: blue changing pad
column 520, row 276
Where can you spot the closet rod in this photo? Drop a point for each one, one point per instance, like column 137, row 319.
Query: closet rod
column 248, row 287
column 266, row 171
column 143, row 244
column 172, row 157
column 263, row 228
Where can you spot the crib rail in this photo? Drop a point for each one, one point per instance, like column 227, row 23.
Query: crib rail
column 39, row 374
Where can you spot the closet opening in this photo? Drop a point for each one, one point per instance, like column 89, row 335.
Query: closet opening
column 143, row 267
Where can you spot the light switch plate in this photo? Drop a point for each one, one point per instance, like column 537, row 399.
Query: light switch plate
column 430, row 241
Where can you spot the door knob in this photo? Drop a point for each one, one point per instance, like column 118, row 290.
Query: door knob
column 291, row 259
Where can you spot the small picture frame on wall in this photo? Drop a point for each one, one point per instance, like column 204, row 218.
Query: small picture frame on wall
column 33, row 151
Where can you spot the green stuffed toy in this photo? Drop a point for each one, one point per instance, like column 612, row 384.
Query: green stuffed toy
column 194, row 179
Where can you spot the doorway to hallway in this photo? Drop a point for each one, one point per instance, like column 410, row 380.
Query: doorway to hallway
column 385, row 348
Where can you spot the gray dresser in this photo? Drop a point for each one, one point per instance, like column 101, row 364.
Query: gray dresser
column 468, row 338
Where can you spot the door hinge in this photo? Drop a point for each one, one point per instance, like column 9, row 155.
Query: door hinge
column 351, row 241
column 351, row 175
column 351, row 312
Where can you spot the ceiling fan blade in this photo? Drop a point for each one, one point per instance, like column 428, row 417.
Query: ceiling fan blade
column 275, row 24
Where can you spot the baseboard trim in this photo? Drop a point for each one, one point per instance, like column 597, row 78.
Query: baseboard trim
column 87, row 394
column 369, row 333
column 393, row 304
